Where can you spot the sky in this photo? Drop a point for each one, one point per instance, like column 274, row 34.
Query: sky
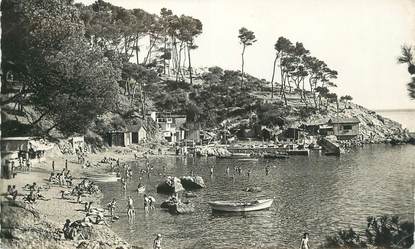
column 361, row 39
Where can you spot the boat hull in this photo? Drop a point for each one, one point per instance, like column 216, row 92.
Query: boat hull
column 227, row 206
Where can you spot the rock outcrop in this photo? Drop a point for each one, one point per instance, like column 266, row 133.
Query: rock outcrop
column 181, row 208
column 253, row 189
column 170, row 185
column 212, row 151
column 192, row 182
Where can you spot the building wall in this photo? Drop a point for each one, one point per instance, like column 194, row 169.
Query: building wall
column 142, row 134
column 342, row 129
column 14, row 145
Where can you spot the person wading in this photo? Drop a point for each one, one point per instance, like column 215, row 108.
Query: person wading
column 157, row 242
column 304, row 242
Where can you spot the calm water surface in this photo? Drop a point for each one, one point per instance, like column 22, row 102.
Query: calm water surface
column 317, row 194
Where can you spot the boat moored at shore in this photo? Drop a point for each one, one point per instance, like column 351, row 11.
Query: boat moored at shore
column 240, row 206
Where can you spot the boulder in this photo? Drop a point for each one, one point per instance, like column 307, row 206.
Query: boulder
column 166, row 204
column 192, row 182
column 181, row 208
column 170, row 185
column 189, row 195
column 253, row 189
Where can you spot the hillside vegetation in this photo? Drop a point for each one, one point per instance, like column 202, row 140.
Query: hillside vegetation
column 76, row 69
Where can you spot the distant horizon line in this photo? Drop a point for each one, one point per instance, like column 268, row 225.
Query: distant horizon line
column 396, row 110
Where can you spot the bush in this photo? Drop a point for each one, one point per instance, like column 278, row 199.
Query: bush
column 388, row 231
column 94, row 140
column 345, row 238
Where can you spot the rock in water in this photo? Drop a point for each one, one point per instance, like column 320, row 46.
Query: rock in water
column 166, row 204
column 181, row 208
column 170, row 186
column 192, row 182
column 189, row 195
column 253, row 189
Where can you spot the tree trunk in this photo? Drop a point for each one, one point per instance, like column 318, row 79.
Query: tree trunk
column 164, row 57
column 273, row 74
column 190, row 65
column 243, row 62
column 152, row 43
column 136, row 49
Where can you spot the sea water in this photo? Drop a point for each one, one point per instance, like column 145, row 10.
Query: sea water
column 315, row 194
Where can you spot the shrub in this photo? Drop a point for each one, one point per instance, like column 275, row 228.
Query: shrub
column 387, row 231
column 345, row 238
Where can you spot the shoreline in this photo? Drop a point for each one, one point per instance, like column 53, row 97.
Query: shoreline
column 31, row 225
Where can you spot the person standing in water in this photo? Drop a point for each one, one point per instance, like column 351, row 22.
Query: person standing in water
column 146, row 203
column 227, row 171
column 304, row 242
column 211, row 171
column 130, row 208
column 111, row 207
column 157, row 242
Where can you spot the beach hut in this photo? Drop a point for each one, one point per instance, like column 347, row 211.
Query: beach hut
column 138, row 133
column 345, row 128
column 119, row 138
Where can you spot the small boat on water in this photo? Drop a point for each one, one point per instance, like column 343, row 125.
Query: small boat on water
column 237, row 156
column 276, row 155
column 240, row 206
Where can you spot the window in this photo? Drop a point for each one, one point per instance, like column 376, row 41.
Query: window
column 347, row 127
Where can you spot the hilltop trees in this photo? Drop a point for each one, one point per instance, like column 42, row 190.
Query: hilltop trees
column 296, row 65
column 61, row 71
column 407, row 57
column 246, row 38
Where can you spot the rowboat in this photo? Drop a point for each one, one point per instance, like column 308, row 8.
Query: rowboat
column 237, row 156
column 238, row 206
column 276, row 156
column 104, row 178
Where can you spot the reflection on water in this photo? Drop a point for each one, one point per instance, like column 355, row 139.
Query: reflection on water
column 317, row 194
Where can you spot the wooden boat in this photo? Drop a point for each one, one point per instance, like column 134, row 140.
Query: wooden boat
column 104, row 178
column 237, row 156
column 276, row 156
column 240, row 206
column 141, row 189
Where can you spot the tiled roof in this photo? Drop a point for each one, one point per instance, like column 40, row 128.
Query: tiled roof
column 344, row 121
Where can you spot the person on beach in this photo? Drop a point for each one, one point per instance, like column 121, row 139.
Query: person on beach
column 151, row 202
column 33, row 186
column 100, row 219
column 66, row 164
column 304, row 242
column 267, row 170
column 146, row 203
column 130, row 208
column 111, row 207
column 66, row 229
column 157, row 242
column 14, row 192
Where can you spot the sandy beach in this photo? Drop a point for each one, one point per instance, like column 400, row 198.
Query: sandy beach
column 44, row 231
